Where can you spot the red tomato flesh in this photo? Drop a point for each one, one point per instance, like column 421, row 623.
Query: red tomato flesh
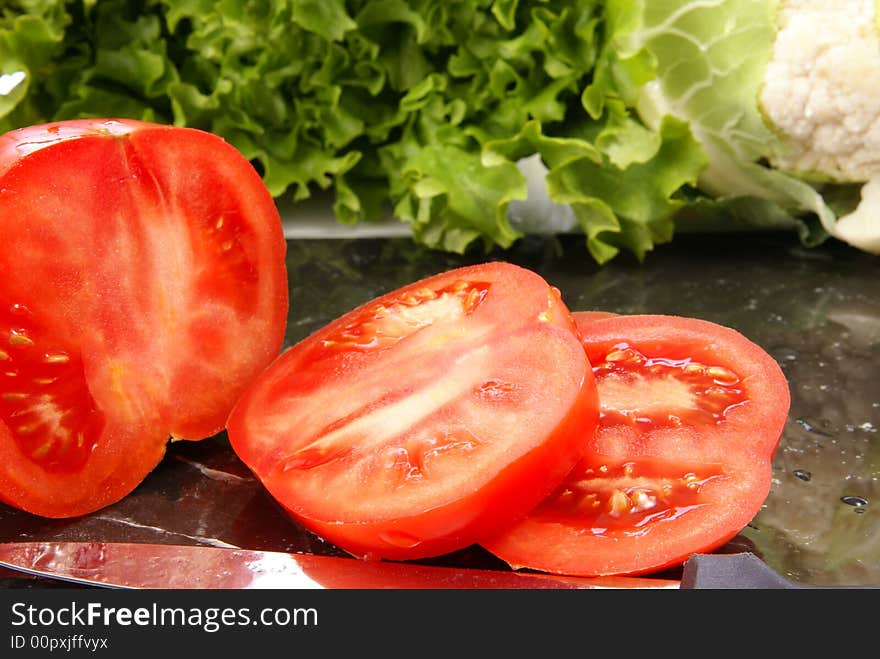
column 142, row 285
column 426, row 418
column 690, row 416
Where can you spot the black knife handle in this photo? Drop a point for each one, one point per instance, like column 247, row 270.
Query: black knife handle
column 741, row 570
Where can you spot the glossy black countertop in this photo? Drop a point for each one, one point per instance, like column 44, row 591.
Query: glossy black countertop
column 816, row 311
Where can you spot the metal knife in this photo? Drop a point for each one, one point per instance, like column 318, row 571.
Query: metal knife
column 152, row 566
column 161, row 566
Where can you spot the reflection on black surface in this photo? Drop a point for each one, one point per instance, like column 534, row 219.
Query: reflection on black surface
column 816, row 311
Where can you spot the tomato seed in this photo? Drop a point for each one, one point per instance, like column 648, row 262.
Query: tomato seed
column 56, row 358
column 722, row 376
column 41, row 451
column 19, row 339
column 642, row 500
column 618, row 503
column 618, row 356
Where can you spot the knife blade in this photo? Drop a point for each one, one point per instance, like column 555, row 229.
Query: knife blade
column 152, row 566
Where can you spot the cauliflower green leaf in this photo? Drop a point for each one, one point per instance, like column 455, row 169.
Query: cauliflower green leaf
column 716, row 65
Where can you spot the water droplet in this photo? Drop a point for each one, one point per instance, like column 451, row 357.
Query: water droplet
column 18, row 309
column 803, row 474
column 822, row 427
column 787, row 354
column 858, row 502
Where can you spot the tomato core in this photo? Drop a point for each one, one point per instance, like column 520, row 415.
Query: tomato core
column 652, row 392
column 383, row 324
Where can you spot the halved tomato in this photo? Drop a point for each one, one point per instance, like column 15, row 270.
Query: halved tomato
column 426, row 418
column 690, row 416
column 142, row 286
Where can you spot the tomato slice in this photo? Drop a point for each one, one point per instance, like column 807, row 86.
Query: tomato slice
column 142, row 285
column 582, row 318
column 691, row 414
column 424, row 419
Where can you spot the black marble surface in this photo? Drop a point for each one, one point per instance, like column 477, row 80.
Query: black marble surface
column 817, row 311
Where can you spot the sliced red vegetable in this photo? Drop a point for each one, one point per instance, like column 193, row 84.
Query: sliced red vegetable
column 142, row 285
column 691, row 414
column 424, row 419
column 584, row 317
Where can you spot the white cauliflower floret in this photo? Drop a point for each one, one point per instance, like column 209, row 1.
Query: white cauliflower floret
column 820, row 89
column 820, row 95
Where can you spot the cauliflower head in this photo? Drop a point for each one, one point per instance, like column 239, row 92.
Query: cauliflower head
column 821, row 95
column 821, row 89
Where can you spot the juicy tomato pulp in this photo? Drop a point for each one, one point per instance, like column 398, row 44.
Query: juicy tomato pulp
column 142, row 285
column 690, row 417
column 425, row 419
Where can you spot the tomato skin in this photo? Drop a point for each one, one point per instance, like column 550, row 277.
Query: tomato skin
column 150, row 261
column 404, row 446
column 583, row 318
column 648, row 493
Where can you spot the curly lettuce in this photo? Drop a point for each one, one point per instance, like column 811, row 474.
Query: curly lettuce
column 422, row 108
